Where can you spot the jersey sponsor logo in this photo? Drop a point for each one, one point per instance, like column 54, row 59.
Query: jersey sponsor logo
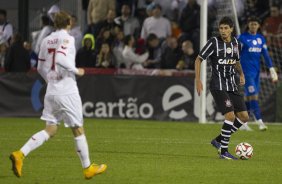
column 228, row 103
column 254, row 49
column 54, row 41
column 226, row 61
column 169, row 103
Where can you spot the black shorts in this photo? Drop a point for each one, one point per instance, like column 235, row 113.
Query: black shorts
column 228, row 101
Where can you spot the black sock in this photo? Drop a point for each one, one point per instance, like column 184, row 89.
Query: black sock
column 236, row 125
column 226, row 134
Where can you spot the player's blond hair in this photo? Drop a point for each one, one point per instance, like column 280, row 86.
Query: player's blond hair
column 62, row 20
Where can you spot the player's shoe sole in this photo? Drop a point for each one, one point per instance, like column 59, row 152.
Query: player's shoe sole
column 17, row 162
column 93, row 170
column 227, row 156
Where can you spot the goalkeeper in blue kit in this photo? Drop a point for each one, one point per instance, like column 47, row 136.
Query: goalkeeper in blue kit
column 253, row 46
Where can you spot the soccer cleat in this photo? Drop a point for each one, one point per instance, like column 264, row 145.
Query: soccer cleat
column 246, row 127
column 93, row 170
column 17, row 162
column 227, row 156
column 263, row 127
column 216, row 144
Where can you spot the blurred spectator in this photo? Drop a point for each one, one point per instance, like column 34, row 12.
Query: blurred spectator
column 47, row 29
column 131, row 59
column 141, row 12
column 108, row 24
column 156, row 24
column 171, row 54
column 75, row 31
column 255, row 8
column 155, row 52
column 105, row 58
column 118, row 46
column 6, row 29
column 130, row 3
column 32, row 55
column 273, row 24
column 17, row 56
column 98, row 10
column 190, row 23
column 175, row 29
column 3, row 51
column 129, row 24
column 177, row 7
column 104, row 36
column 188, row 56
column 85, row 56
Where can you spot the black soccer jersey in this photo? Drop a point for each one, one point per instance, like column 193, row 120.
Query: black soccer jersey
column 223, row 57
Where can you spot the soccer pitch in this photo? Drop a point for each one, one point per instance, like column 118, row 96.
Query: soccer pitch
column 141, row 152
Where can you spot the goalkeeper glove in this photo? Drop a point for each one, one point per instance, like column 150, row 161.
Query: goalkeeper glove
column 273, row 74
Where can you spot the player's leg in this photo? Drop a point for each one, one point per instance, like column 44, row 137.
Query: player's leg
column 33, row 143
column 73, row 118
column 52, row 116
column 252, row 99
column 225, row 105
column 240, row 109
column 81, row 145
column 248, row 90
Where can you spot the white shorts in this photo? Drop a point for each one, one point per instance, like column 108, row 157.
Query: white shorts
column 63, row 107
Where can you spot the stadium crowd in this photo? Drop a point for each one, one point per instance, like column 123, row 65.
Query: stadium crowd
column 137, row 34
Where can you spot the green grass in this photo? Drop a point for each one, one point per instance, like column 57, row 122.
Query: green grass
column 141, row 152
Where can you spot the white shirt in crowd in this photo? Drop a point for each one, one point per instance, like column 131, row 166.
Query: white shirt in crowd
column 56, row 63
column 159, row 26
column 6, row 32
column 133, row 60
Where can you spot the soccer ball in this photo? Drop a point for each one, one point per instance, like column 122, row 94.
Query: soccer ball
column 244, row 151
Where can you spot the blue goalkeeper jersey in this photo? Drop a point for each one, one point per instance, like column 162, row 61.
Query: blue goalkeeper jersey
column 252, row 48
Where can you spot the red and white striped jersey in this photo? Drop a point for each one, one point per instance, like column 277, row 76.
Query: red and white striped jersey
column 56, row 63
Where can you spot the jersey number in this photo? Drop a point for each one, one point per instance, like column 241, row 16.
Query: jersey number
column 53, row 52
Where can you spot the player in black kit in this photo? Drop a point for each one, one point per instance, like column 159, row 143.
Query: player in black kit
column 224, row 54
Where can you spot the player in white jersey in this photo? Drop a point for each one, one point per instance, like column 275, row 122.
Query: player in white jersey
column 56, row 64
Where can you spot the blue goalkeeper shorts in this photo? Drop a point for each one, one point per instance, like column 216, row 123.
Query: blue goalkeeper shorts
column 252, row 85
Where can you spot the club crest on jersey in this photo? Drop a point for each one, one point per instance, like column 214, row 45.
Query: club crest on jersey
column 228, row 103
column 65, row 42
column 228, row 50
column 259, row 40
column 227, row 61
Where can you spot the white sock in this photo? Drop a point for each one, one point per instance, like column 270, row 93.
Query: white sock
column 260, row 122
column 81, row 146
column 34, row 142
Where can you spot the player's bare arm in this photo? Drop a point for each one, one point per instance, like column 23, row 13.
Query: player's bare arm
column 198, row 81
column 240, row 71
